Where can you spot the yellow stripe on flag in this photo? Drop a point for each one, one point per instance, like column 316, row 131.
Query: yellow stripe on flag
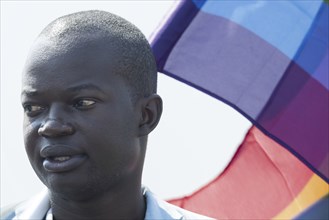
column 314, row 190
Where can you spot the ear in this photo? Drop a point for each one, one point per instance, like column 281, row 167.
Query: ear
column 151, row 110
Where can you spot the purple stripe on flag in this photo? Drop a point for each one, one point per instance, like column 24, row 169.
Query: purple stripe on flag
column 228, row 60
column 297, row 117
column 231, row 63
column 173, row 29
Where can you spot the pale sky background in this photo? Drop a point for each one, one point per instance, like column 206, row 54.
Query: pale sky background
column 196, row 137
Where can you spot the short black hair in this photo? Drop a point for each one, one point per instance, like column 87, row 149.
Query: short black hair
column 137, row 64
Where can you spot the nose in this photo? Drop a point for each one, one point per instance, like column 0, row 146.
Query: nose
column 55, row 128
column 56, row 124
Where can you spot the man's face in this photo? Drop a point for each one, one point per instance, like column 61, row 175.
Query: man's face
column 80, row 126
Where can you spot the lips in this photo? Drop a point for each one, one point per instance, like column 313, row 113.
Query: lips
column 61, row 158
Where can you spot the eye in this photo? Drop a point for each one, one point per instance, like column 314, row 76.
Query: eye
column 84, row 103
column 32, row 110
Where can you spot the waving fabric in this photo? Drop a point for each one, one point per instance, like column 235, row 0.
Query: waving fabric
column 269, row 61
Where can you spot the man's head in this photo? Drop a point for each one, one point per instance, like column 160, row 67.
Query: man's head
column 135, row 61
column 89, row 98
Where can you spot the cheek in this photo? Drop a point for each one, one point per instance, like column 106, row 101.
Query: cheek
column 114, row 148
column 32, row 147
column 30, row 131
column 110, row 139
column 116, row 126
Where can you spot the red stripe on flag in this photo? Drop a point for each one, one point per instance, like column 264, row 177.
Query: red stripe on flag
column 262, row 179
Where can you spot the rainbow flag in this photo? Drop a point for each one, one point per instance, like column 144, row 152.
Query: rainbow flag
column 269, row 61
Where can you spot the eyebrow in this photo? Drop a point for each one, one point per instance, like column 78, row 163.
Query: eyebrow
column 29, row 93
column 87, row 86
column 78, row 88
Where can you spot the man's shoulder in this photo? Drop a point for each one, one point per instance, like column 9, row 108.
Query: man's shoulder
column 180, row 213
column 33, row 208
column 160, row 209
column 8, row 212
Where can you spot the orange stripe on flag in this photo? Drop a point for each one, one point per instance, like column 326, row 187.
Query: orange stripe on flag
column 315, row 189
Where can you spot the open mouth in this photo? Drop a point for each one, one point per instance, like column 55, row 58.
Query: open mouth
column 59, row 159
column 59, row 164
column 62, row 158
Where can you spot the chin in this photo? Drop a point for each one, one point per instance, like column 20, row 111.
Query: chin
column 72, row 192
column 69, row 187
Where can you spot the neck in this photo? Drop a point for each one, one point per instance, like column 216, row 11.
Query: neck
column 117, row 204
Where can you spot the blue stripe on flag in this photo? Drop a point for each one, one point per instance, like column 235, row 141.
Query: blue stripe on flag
column 286, row 32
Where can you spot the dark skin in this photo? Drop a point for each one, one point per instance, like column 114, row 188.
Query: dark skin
column 84, row 136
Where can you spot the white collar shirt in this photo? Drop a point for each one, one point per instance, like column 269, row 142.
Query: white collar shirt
column 39, row 208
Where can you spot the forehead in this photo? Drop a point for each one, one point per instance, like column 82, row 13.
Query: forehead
column 54, row 67
column 84, row 47
column 88, row 57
